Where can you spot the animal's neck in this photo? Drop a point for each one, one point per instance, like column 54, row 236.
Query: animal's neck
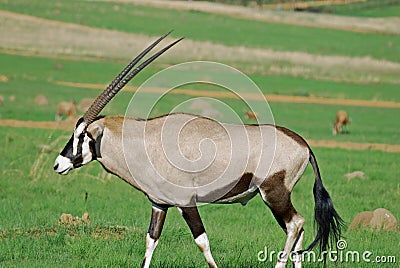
column 111, row 148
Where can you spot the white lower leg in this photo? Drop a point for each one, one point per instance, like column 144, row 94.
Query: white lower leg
column 151, row 245
column 293, row 230
column 297, row 258
column 204, row 245
column 284, row 255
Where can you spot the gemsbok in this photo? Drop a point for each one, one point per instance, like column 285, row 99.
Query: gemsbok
column 247, row 160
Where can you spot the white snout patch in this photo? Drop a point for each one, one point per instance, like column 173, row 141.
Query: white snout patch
column 62, row 165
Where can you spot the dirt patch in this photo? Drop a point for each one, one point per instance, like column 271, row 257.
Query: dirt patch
column 68, row 124
column 19, row 33
column 269, row 97
column 354, row 24
column 390, row 148
column 301, row 5
column 326, row 101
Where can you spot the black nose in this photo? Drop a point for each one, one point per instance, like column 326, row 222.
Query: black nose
column 56, row 166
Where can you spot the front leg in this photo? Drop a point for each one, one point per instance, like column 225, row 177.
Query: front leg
column 156, row 224
column 192, row 218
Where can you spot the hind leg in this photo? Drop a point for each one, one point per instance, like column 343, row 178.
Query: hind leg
column 294, row 236
column 277, row 197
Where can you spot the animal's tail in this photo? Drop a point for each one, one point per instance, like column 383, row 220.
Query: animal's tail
column 329, row 223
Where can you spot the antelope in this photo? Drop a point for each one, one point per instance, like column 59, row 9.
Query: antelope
column 145, row 166
column 341, row 120
column 65, row 108
column 250, row 114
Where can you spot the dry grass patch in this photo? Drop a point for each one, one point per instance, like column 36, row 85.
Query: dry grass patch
column 105, row 232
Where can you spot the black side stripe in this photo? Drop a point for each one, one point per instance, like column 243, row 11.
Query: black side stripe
column 97, row 146
column 77, row 162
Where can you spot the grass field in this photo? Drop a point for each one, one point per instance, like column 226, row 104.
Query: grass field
column 208, row 27
column 32, row 196
column 371, row 8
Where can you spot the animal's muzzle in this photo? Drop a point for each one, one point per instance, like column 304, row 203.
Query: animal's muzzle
column 63, row 165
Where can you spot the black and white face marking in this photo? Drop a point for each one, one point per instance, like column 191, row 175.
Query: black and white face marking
column 77, row 152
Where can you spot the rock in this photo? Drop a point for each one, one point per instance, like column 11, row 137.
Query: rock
column 383, row 219
column 3, row 78
column 59, row 66
column 362, row 219
column 377, row 220
column 41, row 100
column 355, row 174
column 86, row 218
column 68, row 219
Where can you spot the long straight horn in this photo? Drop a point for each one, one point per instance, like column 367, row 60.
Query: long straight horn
column 116, row 85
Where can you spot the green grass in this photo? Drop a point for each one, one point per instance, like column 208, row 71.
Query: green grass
column 32, row 200
column 387, row 11
column 30, row 76
column 32, row 196
column 31, row 205
column 24, row 70
column 215, row 28
column 374, row 8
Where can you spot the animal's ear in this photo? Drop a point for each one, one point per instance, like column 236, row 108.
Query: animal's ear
column 96, row 129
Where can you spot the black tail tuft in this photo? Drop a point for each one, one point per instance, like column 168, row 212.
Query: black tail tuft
column 329, row 223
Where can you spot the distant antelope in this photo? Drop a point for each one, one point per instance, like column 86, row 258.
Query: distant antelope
column 66, row 108
column 251, row 114
column 341, row 120
column 100, row 138
column 1, row 100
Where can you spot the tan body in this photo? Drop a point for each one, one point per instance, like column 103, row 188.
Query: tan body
column 287, row 153
column 341, row 120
